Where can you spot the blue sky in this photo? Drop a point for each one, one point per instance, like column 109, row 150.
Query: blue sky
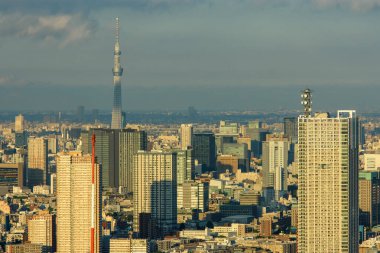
column 243, row 54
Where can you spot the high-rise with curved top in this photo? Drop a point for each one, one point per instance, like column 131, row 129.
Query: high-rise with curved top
column 117, row 71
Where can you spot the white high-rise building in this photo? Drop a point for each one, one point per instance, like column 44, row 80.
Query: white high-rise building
column 275, row 163
column 74, row 203
column 19, row 123
column 155, row 191
column 328, row 183
column 186, row 131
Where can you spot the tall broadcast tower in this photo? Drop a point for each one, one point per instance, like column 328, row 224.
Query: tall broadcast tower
column 117, row 73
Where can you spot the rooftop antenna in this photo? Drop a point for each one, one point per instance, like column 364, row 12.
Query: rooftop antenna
column 306, row 102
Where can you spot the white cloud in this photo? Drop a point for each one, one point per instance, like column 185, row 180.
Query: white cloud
column 62, row 28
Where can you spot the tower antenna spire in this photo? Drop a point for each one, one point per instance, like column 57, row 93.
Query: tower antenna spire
column 117, row 28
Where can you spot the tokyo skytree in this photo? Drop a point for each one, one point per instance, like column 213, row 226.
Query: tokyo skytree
column 117, row 71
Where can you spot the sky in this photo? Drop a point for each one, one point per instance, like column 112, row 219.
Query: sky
column 211, row 54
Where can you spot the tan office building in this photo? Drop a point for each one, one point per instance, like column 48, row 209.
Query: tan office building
column 186, row 131
column 19, row 123
column 74, row 203
column 41, row 230
column 26, row 248
column 37, row 161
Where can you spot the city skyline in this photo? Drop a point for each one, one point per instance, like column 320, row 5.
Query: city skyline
column 226, row 126
column 174, row 48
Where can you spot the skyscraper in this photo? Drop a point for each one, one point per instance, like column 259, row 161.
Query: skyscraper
column 275, row 163
column 257, row 135
column 19, row 123
column 37, row 161
column 185, row 165
column 205, row 150
column 291, row 132
column 155, row 191
column 291, row 129
column 369, row 198
column 130, row 141
column 117, row 73
column 20, row 133
column 107, row 153
column 186, row 131
column 74, row 203
column 114, row 150
column 328, row 183
column 52, row 144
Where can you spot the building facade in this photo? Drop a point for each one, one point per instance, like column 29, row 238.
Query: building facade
column 227, row 162
column 125, row 245
column 193, row 195
column 328, row 183
column 74, row 203
column 12, row 174
column 371, row 162
column 114, row 150
column 37, row 161
column 185, row 165
column 275, row 163
column 369, row 198
column 186, row 132
column 19, row 123
column 205, row 150
column 155, row 190
column 130, row 141
column 291, row 129
column 42, row 230
column 107, row 153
